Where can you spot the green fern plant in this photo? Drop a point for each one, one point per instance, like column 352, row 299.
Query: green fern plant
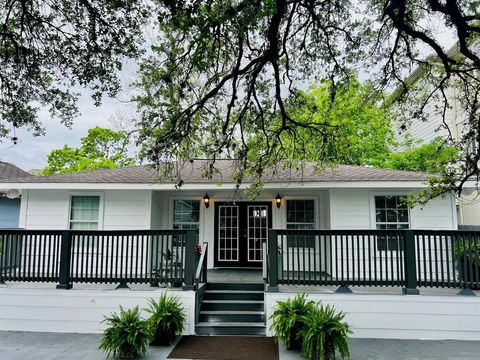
column 127, row 335
column 324, row 333
column 167, row 318
column 289, row 317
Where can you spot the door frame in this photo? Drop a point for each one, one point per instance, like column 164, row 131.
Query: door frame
column 242, row 222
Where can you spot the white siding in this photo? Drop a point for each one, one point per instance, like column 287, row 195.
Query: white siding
column 76, row 311
column 399, row 316
column 47, row 209
column 160, row 211
column 350, row 209
column 122, row 209
column 127, row 210
column 437, row 214
column 355, row 209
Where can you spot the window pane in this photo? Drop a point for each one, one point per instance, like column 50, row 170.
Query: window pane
column 390, row 214
column 403, row 215
column 84, row 212
column 391, row 202
column 186, row 211
column 381, row 215
column 300, row 215
column 84, row 226
column 380, row 202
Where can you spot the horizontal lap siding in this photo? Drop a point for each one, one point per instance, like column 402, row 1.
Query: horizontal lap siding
column 80, row 311
column 127, row 210
column 47, row 210
column 122, row 210
column 350, row 209
column 399, row 316
column 438, row 214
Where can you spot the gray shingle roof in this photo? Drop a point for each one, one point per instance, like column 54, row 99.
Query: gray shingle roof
column 8, row 171
column 192, row 173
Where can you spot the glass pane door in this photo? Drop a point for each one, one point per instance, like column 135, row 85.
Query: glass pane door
column 257, row 231
column 228, row 233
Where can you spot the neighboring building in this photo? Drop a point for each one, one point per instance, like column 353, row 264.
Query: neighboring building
column 453, row 123
column 10, row 208
column 347, row 197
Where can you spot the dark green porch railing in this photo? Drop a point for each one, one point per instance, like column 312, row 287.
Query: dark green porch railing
column 91, row 256
column 405, row 258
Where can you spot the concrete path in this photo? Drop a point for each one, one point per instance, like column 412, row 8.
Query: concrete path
column 48, row 346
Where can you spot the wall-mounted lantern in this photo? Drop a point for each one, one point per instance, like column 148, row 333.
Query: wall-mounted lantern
column 278, row 200
column 206, row 200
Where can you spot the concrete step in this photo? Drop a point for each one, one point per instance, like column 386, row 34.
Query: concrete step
column 236, row 286
column 234, row 305
column 233, row 295
column 232, row 316
column 230, row 328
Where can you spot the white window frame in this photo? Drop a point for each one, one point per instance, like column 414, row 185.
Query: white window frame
column 187, row 198
column 100, row 207
column 315, row 212
column 373, row 216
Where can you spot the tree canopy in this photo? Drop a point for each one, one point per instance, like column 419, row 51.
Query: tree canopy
column 48, row 47
column 361, row 128
column 222, row 72
column 100, row 149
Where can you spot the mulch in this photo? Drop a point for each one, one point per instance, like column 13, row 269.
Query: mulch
column 225, row 348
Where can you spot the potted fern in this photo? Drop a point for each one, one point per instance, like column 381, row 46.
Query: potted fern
column 324, row 333
column 167, row 319
column 127, row 335
column 288, row 319
column 467, row 255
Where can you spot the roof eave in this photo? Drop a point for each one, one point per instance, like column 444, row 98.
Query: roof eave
column 378, row 184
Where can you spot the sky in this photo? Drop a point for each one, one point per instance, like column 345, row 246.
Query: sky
column 31, row 152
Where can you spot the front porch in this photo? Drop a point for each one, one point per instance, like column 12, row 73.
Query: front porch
column 412, row 259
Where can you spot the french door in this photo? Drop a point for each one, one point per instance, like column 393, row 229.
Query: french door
column 240, row 229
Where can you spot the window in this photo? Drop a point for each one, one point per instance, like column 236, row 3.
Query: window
column 390, row 214
column 84, row 211
column 301, row 215
column 186, row 214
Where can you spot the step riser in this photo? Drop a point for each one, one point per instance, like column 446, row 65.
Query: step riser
column 233, row 296
column 231, row 307
column 232, row 286
column 212, row 330
column 232, row 318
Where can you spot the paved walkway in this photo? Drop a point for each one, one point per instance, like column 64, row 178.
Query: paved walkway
column 48, row 346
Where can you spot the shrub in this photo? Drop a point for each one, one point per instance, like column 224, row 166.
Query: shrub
column 128, row 334
column 324, row 333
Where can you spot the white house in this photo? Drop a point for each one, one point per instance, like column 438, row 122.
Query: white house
column 307, row 231
column 133, row 198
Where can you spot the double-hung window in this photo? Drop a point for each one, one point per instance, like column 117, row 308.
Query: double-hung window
column 301, row 215
column 84, row 212
column 186, row 214
column 391, row 213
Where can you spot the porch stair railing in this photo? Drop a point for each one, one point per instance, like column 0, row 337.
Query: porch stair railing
column 410, row 259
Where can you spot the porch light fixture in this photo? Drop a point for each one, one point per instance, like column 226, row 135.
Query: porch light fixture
column 206, row 201
column 278, row 200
